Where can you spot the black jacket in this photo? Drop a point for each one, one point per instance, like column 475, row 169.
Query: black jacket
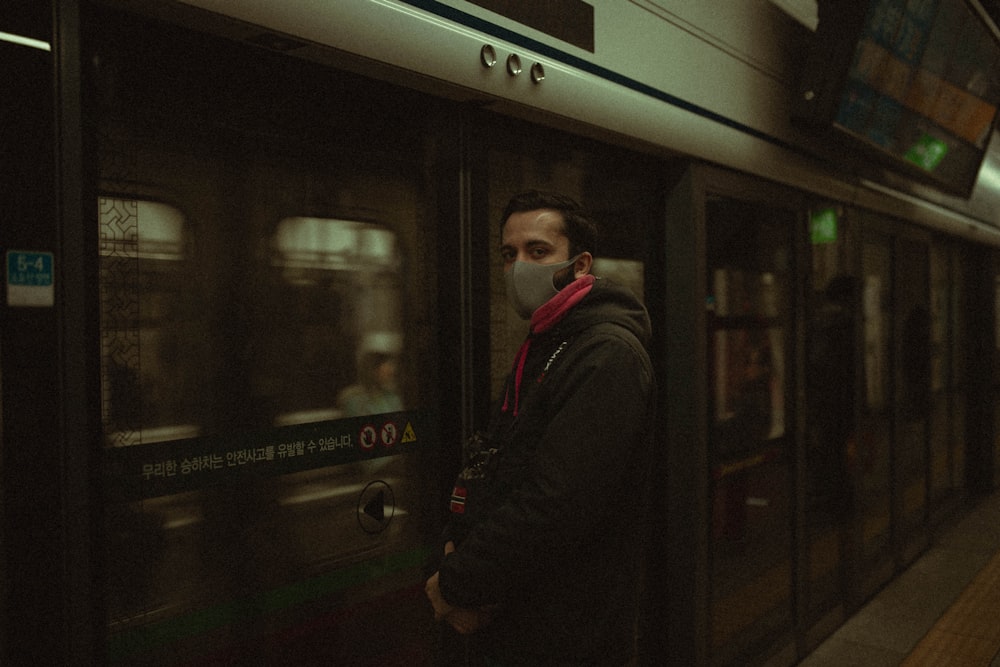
column 557, row 547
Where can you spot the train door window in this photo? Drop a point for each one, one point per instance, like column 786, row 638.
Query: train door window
column 618, row 187
column 284, row 482
column 145, row 317
column 947, row 351
column 749, row 262
column 872, row 521
column 912, row 393
column 958, row 380
column 831, row 362
column 350, row 270
column 991, row 463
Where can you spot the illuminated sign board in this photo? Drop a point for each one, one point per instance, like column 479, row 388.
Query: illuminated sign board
column 136, row 472
column 921, row 86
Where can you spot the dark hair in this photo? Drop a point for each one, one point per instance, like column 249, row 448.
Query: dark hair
column 579, row 227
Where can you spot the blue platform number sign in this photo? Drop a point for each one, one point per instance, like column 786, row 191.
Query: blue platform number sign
column 30, row 279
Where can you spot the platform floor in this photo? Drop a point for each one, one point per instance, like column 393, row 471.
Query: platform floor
column 944, row 610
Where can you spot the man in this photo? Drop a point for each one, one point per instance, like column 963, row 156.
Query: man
column 541, row 566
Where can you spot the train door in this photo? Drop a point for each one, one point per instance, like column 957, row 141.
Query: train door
column 983, row 461
column 273, row 399
column 987, row 462
column 949, row 377
column 982, row 444
column 831, row 358
column 987, row 476
column 28, row 348
column 912, row 395
column 892, row 510
column 871, row 525
column 982, row 436
column 750, row 251
column 624, row 192
column 47, row 453
column 620, row 188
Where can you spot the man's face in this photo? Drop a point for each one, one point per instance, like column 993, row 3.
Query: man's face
column 534, row 236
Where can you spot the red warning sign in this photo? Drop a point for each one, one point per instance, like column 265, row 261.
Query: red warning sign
column 389, row 434
column 368, row 438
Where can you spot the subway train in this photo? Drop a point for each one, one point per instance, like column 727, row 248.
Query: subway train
column 253, row 305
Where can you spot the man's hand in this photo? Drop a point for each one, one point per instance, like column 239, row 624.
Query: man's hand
column 433, row 591
column 465, row 621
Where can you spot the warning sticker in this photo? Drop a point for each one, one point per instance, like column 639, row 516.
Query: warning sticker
column 408, row 434
column 368, row 437
column 389, row 434
column 163, row 468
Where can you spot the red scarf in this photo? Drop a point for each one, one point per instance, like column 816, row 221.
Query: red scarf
column 544, row 318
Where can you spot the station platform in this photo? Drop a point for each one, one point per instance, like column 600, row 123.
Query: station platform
column 944, row 610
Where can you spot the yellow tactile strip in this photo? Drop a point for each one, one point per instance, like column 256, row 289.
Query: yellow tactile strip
column 968, row 634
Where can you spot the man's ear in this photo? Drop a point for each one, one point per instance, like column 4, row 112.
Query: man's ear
column 583, row 264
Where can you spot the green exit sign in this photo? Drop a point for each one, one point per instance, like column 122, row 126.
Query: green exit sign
column 823, row 226
column 927, row 152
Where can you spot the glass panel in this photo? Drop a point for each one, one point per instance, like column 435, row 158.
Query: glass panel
column 871, row 449
column 621, row 191
column 749, row 391
column 941, row 442
column 830, row 376
column 958, row 380
column 996, row 356
column 617, row 187
column 146, row 392
column 913, row 384
column 748, row 256
column 351, row 268
column 628, row 272
column 271, row 390
column 752, row 571
column 940, row 300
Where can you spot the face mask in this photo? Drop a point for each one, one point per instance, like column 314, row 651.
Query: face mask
column 529, row 285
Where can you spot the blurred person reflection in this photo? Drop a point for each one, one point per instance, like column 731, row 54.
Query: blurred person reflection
column 751, row 403
column 916, row 357
column 830, row 378
column 747, row 428
column 376, row 390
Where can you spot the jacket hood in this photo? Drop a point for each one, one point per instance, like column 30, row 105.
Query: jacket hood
column 585, row 302
column 609, row 302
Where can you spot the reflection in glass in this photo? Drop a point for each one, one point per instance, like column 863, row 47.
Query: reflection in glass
column 142, row 246
column 871, row 447
column 876, row 333
column 627, row 272
column 614, row 185
column 322, row 243
column 748, row 318
column 749, row 387
column 830, row 397
column 238, row 314
column 350, row 269
column 947, row 373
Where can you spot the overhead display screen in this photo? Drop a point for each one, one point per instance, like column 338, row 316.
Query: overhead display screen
column 569, row 20
column 923, row 87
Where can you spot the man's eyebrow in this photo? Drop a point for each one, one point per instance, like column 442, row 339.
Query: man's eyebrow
column 531, row 243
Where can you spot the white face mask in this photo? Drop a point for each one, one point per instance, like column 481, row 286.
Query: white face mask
column 530, row 285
